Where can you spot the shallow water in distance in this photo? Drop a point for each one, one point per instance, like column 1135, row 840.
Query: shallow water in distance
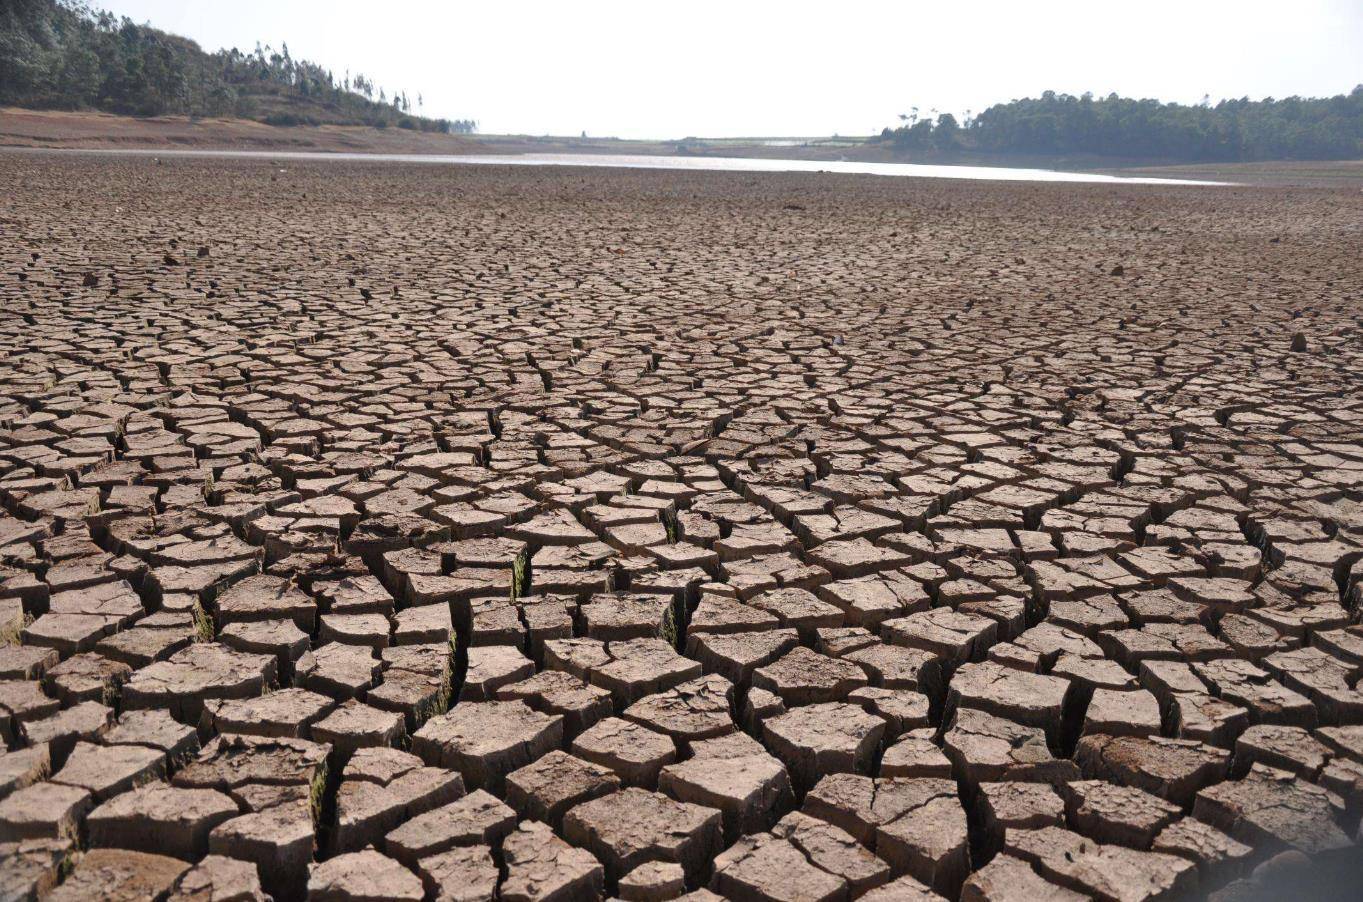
column 720, row 164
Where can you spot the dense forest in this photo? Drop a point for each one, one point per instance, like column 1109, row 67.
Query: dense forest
column 63, row 54
column 1294, row 128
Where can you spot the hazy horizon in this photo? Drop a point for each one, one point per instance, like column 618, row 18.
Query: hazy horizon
column 725, row 70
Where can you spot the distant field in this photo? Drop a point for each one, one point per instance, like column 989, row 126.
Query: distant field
column 90, row 130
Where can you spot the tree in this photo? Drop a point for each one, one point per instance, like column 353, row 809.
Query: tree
column 62, row 54
column 1118, row 127
column 947, row 132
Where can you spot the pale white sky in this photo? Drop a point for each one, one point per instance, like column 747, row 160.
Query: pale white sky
column 634, row 68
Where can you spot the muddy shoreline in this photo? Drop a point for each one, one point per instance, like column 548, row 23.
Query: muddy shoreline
column 95, row 131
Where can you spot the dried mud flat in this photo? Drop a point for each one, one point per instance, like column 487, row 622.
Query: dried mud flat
column 399, row 532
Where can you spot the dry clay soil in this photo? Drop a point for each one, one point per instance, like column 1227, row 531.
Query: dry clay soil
column 402, row 532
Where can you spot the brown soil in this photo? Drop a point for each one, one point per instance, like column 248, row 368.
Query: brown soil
column 387, row 531
column 54, row 128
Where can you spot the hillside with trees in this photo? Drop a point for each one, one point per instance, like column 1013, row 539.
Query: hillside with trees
column 1244, row 130
column 66, row 55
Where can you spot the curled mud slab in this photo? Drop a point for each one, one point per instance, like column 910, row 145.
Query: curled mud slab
column 380, row 531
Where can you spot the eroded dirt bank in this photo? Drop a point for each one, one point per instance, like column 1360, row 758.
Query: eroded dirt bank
column 382, row 530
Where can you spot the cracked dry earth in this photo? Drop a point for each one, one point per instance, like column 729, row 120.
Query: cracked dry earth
column 400, row 532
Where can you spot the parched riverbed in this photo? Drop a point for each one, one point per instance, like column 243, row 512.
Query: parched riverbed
column 381, row 530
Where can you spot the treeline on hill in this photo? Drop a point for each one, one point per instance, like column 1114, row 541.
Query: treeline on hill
column 63, row 54
column 1294, row 128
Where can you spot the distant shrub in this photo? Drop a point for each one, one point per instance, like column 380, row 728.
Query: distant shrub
column 288, row 120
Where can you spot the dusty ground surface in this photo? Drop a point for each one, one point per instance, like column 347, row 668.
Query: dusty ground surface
column 380, row 531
